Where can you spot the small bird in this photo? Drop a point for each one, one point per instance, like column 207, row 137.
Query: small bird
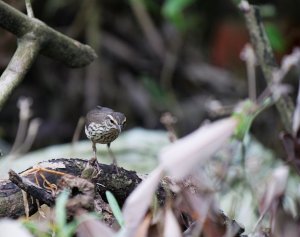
column 103, row 125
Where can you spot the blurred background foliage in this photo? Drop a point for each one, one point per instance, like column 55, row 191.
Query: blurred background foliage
column 181, row 56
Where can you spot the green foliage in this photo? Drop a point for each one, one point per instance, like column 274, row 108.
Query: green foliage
column 159, row 96
column 275, row 36
column 55, row 5
column 236, row 2
column 245, row 115
column 273, row 32
column 35, row 229
column 62, row 227
column 115, row 208
column 173, row 11
column 267, row 10
column 244, row 118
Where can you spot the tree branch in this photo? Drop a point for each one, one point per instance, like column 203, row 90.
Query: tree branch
column 29, row 8
column 35, row 36
column 266, row 59
column 53, row 43
column 27, row 51
column 33, row 189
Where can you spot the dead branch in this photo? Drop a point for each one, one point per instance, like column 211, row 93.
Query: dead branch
column 121, row 184
column 31, row 188
column 36, row 37
column 266, row 59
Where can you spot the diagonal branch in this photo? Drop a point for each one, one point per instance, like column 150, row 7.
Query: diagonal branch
column 20, row 63
column 266, row 59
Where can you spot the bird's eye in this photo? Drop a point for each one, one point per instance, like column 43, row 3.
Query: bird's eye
column 112, row 121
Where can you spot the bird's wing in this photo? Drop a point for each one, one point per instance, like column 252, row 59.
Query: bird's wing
column 97, row 115
column 104, row 109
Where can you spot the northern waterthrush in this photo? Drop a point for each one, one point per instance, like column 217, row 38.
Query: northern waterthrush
column 103, row 125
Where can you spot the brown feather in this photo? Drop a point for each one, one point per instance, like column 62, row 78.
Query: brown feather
column 97, row 115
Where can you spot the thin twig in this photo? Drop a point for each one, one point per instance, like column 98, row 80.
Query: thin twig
column 169, row 121
column 31, row 135
column 29, row 8
column 78, row 130
column 147, row 26
column 169, row 64
column 76, row 135
column 248, row 56
column 24, row 116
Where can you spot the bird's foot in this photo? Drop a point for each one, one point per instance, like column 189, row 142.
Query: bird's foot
column 93, row 161
column 115, row 165
column 91, row 170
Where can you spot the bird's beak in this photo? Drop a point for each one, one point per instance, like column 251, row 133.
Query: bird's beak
column 120, row 128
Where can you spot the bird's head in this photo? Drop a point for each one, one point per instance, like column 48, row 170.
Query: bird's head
column 116, row 120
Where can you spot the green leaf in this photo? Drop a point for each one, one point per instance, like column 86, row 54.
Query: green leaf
column 173, row 10
column 244, row 125
column 115, row 208
column 246, row 113
column 35, row 229
column 69, row 229
column 63, row 228
column 275, row 36
column 60, row 209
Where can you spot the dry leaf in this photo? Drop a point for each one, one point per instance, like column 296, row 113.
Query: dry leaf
column 93, row 228
column 275, row 188
column 285, row 225
column 13, row 228
column 142, row 231
column 138, row 202
column 181, row 157
column 171, row 227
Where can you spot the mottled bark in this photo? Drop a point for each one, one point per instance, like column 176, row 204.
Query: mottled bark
column 266, row 59
column 120, row 183
column 36, row 37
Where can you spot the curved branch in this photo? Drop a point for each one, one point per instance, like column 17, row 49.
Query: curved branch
column 13, row 20
column 54, row 44
column 26, row 53
column 34, row 36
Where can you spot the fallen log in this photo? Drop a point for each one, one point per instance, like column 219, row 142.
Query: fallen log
column 121, row 183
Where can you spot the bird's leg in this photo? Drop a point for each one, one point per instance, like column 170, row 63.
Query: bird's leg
column 113, row 157
column 93, row 160
column 94, row 150
column 92, row 168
